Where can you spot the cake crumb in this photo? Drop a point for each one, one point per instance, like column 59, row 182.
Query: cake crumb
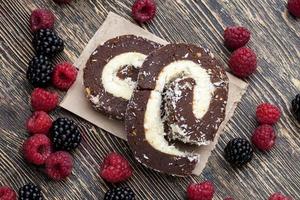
column 296, row 82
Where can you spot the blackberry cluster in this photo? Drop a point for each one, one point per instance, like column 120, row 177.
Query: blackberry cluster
column 238, row 152
column 47, row 42
column 65, row 134
column 39, row 71
column 30, row 192
column 120, row 193
column 296, row 107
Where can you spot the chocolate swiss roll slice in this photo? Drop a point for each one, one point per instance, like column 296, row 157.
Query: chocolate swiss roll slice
column 180, row 97
column 111, row 72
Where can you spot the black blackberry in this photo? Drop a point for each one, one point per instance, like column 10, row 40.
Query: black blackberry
column 39, row 71
column 296, row 107
column 30, row 192
column 238, row 152
column 65, row 134
column 119, row 193
column 46, row 42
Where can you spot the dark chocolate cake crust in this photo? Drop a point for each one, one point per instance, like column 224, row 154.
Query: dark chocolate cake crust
column 176, row 107
column 100, row 98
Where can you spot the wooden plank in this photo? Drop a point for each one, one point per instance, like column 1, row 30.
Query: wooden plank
column 275, row 38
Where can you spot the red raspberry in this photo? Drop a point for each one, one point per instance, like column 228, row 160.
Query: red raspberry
column 6, row 193
column 62, row 1
column 236, row 37
column 294, row 7
column 59, row 165
column 243, row 62
column 143, row 10
column 43, row 100
column 264, row 137
column 64, row 75
column 267, row 113
column 41, row 19
column 201, row 191
column 36, row 149
column 115, row 168
column 39, row 123
column 279, row 196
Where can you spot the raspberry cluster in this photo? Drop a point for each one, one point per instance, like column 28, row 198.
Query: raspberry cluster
column 243, row 61
column 52, row 140
column 47, row 136
column 239, row 151
column 264, row 136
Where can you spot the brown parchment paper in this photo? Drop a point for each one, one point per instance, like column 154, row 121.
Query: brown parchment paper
column 76, row 102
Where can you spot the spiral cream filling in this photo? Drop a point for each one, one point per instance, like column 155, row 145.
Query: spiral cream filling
column 122, row 88
column 203, row 91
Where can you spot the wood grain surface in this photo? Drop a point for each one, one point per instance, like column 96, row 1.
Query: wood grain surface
column 275, row 39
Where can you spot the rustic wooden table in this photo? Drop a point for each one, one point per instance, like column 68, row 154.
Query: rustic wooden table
column 275, row 38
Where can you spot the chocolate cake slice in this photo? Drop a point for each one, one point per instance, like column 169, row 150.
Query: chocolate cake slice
column 180, row 97
column 111, row 72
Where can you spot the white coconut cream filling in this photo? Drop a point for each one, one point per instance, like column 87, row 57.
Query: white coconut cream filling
column 112, row 83
column 203, row 90
column 154, row 128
